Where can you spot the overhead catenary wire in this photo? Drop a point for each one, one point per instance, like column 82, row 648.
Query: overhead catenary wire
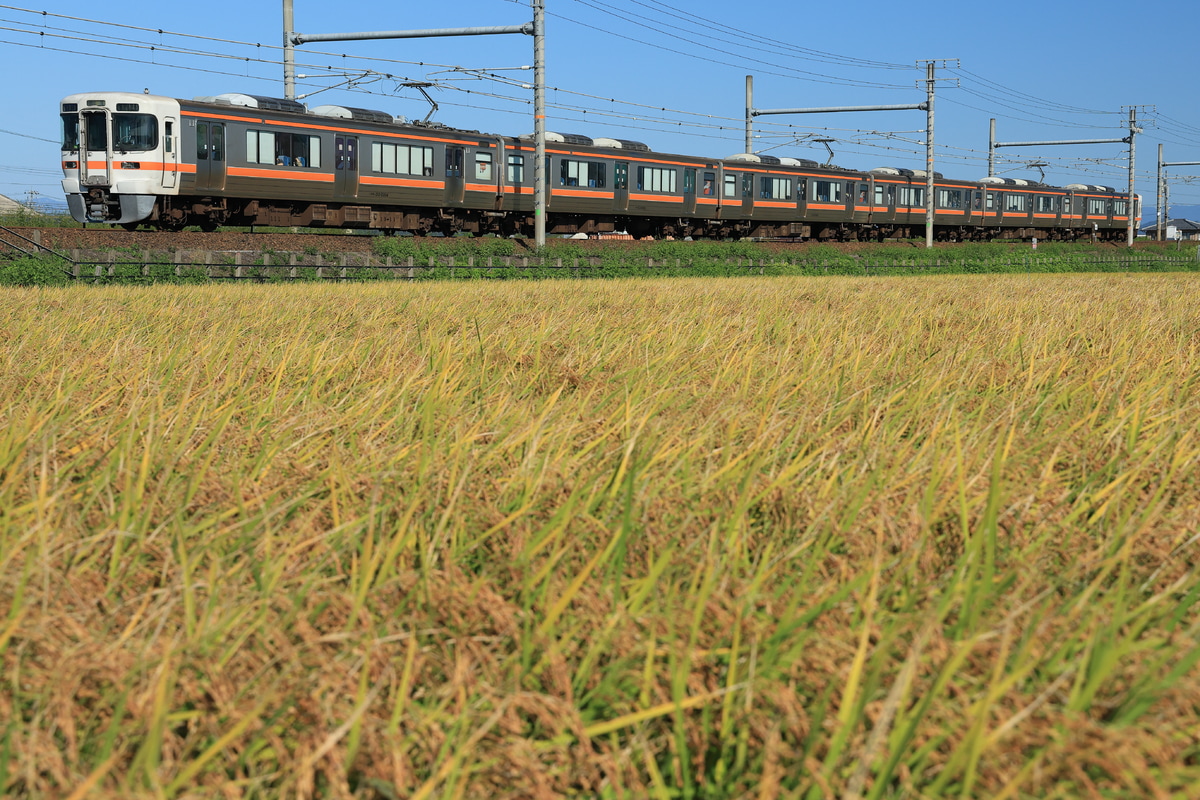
column 706, row 126
column 764, row 67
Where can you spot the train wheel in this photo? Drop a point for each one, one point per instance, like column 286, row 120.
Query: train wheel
column 130, row 226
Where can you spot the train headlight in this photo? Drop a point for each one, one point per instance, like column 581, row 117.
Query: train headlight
column 130, row 165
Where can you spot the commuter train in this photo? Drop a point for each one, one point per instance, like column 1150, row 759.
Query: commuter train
column 235, row 159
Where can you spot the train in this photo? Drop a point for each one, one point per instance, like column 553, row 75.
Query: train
column 135, row 160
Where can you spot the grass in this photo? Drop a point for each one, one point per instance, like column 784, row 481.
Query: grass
column 763, row 537
column 465, row 259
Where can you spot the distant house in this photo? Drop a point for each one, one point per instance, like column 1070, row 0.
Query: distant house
column 1175, row 229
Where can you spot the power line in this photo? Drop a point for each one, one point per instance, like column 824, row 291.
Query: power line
column 801, row 52
column 29, row 136
column 1027, row 99
column 707, row 58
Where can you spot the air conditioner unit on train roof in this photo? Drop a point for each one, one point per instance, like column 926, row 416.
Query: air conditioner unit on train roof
column 253, row 101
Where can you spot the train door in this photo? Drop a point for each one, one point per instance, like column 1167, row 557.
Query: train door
column 95, row 151
column 621, row 185
column 210, row 156
column 747, row 194
column 689, row 190
column 860, row 200
column 170, row 154
column 974, row 206
column 455, row 185
column 345, row 166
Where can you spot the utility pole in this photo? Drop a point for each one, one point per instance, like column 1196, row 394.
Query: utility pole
column 289, row 51
column 992, row 148
column 749, row 114
column 1165, row 202
column 1134, row 130
column 539, row 124
column 1158, row 198
column 930, row 83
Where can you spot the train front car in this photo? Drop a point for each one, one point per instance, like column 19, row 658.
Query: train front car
column 120, row 154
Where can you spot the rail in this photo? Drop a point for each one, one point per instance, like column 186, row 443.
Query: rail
column 9, row 238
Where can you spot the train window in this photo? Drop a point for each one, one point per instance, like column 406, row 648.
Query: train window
column 731, row 185
column 483, row 166
column 912, row 197
column 621, row 175
column 1017, row 203
column 991, row 201
column 978, row 200
column 70, row 132
column 218, row 142
column 747, row 185
column 801, row 186
column 202, row 141
column 710, row 184
column 1121, row 207
column 1066, row 205
column 689, row 181
column 169, row 136
column 1096, row 207
column 655, row 179
column 260, row 147
column 949, row 198
column 862, row 192
column 1044, row 204
column 283, row 149
column 583, row 173
column 879, row 194
column 827, row 191
column 775, row 188
column 516, row 169
column 454, row 159
column 95, row 131
column 401, row 159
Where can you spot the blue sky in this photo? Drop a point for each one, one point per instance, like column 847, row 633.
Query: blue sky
column 670, row 73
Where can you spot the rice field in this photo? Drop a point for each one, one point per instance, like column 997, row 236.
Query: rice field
column 692, row 538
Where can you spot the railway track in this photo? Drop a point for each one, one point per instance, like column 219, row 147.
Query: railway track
column 104, row 238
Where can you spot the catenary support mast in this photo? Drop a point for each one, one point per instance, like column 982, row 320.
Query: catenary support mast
column 536, row 28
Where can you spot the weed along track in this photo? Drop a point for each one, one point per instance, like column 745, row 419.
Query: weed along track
column 766, row 536
column 120, row 257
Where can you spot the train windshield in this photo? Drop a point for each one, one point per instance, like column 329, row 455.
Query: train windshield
column 70, row 132
column 130, row 132
column 134, row 132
